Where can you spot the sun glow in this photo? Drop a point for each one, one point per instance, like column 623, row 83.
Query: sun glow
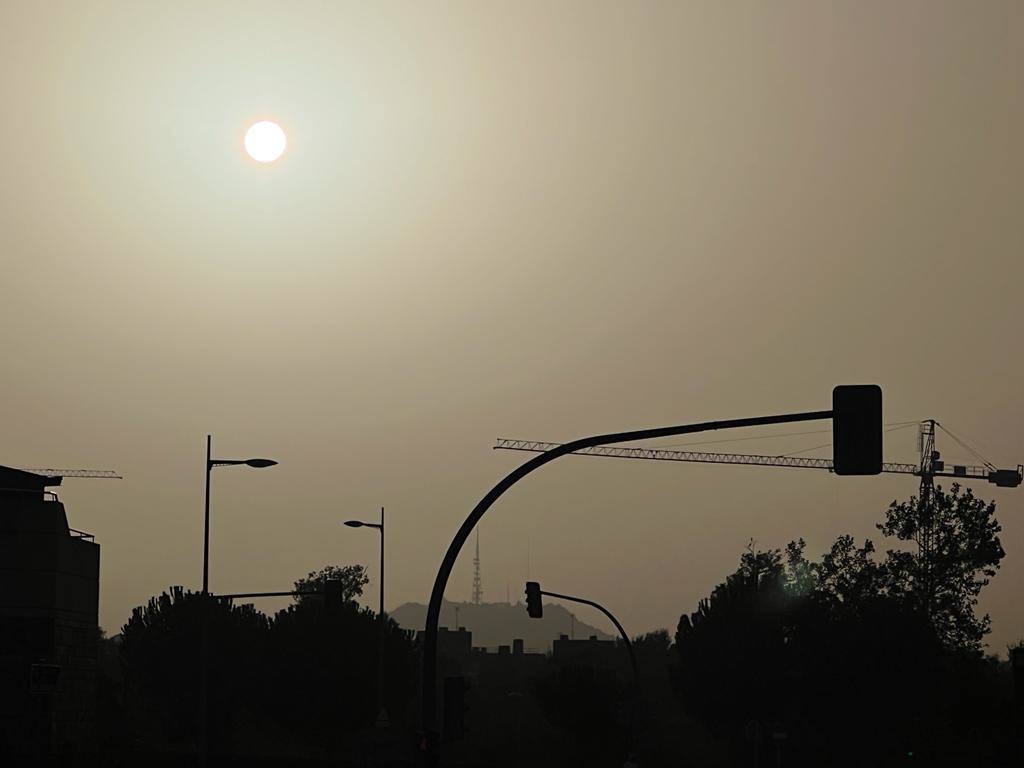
column 265, row 141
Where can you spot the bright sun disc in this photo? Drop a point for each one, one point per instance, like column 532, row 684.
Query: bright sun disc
column 265, row 141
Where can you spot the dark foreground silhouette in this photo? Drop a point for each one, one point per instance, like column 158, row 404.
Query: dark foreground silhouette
column 852, row 659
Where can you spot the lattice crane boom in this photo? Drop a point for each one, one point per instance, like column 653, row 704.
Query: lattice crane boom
column 99, row 474
column 930, row 466
column 704, row 457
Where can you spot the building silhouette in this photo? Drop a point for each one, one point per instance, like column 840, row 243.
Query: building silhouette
column 592, row 652
column 49, row 600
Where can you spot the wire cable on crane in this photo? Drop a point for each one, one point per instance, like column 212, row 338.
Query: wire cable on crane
column 826, row 444
column 964, row 445
column 737, row 439
column 765, row 437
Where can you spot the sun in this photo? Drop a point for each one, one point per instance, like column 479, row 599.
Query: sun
column 265, row 141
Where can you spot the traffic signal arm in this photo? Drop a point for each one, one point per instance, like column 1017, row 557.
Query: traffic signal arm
column 602, row 609
column 428, row 693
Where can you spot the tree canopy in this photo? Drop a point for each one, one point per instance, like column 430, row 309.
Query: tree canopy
column 815, row 648
column 352, row 578
column 306, row 676
column 957, row 553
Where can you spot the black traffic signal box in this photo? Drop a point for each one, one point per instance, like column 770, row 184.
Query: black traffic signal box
column 857, row 429
column 534, row 607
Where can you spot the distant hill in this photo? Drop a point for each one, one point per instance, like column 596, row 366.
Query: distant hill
column 494, row 624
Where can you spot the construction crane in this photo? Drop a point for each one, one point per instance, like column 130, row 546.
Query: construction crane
column 929, row 467
column 99, row 474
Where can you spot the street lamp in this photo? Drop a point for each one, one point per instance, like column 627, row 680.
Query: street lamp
column 210, row 464
column 380, row 615
column 380, row 527
column 204, row 652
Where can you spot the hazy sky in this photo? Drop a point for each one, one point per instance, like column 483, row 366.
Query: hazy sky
column 537, row 220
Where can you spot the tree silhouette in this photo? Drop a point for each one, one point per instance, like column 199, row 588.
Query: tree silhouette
column 652, row 643
column 324, row 682
column 958, row 552
column 808, row 648
column 733, row 648
column 352, row 578
column 588, row 704
column 160, row 652
column 301, row 682
column 789, row 646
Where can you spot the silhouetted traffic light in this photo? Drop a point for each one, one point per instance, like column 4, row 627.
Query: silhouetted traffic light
column 857, row 429
column 534, row 607
column 454, row 712
column 332, row 594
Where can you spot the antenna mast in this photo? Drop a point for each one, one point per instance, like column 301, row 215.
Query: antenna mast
column 478, row 591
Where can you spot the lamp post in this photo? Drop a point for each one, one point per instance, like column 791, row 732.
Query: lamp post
column 380, row 527
column 210, row 464
column 380, row 614
column 204, row 652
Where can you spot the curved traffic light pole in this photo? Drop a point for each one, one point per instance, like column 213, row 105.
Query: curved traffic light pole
column 428, row 701
column 631, row 733
column 613, row 620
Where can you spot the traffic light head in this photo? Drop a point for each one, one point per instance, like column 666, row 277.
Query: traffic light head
column 533, row 603
column 857, row 429
column 332, row 594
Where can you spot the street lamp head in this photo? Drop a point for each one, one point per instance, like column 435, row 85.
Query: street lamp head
column 354, row 524
column 260, row 463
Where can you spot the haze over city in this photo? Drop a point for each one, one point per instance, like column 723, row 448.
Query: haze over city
column 541, row 221
column 501, row 222
column 285, row 269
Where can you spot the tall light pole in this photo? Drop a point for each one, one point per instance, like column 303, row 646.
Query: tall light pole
column 204, row 652
column 380, row 614
column 210, row 464
column 380, row 527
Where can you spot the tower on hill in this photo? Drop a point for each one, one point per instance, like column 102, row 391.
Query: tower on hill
column 478, row 590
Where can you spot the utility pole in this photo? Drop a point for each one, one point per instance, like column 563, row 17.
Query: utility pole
column 204, row 632
column 381, row 619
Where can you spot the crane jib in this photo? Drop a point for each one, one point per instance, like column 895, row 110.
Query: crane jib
column 1004, row 478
